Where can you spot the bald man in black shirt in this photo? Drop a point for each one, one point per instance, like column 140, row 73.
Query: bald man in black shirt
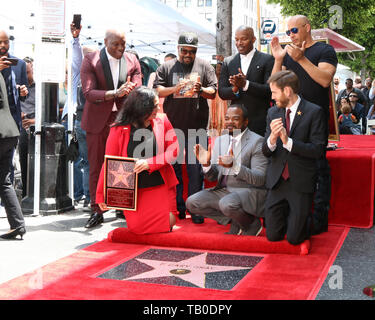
column 315, row 65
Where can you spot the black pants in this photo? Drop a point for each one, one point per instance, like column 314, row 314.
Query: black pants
column 194, row 172
column 322, row 194
column 288, row 213
column 23, row 149
column 7, row 193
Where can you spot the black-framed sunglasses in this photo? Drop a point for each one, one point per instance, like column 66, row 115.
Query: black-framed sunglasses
column 353, row 96
column 186, row 51
column 292, row 30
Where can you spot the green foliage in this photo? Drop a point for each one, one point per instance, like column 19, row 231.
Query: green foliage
column 358, row 25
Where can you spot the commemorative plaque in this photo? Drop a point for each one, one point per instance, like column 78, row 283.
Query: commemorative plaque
column 120, row 183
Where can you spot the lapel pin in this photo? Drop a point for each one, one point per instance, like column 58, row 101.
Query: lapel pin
column 299, row 113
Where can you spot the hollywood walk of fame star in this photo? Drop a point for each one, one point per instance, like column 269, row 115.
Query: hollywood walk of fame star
column 121, row 177
column 192, row 269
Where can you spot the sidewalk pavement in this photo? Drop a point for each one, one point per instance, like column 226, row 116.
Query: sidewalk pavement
column 49, row 238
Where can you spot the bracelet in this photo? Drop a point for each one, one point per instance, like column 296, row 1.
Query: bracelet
column 237, row 94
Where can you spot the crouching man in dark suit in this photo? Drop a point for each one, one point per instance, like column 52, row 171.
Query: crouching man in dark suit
column 294, row 140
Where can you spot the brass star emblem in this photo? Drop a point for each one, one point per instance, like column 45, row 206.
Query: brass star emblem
column 299, row 113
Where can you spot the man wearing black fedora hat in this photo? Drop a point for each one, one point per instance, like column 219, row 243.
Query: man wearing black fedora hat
column 187, row 82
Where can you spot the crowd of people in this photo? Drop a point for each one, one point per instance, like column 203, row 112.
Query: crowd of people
column 267, row 158
column 358, row 102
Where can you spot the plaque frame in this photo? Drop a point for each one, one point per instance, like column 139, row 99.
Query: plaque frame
column 108, row 158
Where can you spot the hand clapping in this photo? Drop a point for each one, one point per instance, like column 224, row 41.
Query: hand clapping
column 203, row 155
column 296, row 53
column 277, row 51
column 278, row 130
column 238, row 80
column 126, row 88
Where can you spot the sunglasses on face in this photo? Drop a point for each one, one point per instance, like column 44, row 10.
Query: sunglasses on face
column 353, row 96
column 292, row 30
column 186, row 51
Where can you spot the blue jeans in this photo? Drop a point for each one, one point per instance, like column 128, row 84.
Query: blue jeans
column 82, row 146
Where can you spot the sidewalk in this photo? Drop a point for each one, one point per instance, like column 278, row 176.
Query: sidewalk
column 49, row 238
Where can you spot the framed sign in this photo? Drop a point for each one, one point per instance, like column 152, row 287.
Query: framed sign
column 334, row 134
column 120, row 183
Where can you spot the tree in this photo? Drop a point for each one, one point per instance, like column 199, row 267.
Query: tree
column 354, row 19
column 224, row 28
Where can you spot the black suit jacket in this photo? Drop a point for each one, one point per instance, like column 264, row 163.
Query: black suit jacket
column 258, row 96
column 309, row 139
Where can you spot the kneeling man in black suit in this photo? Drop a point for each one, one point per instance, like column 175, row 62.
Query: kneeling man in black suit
column 294, row 140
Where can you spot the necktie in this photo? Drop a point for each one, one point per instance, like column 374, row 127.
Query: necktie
column 285, row 173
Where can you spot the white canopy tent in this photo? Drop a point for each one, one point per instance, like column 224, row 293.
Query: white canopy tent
column 151, row 27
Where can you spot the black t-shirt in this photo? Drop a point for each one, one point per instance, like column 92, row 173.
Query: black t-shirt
column 186, row 113
column 309, row 89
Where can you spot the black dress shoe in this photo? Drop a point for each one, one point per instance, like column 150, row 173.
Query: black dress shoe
column 196, row 218
column 182, row 215
column 234, row 229
column 12, row 235
column 120, row 214
column 94, row 220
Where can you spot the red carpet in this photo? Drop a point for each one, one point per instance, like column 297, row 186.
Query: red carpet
column 208, row 236
column 353, row 180
column 276, row 276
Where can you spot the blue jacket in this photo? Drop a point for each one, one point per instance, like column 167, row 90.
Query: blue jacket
column 19, row 77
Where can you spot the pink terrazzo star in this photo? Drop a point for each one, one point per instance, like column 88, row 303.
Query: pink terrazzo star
column 192, row 270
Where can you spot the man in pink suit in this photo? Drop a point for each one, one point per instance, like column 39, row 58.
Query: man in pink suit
column 107, row 77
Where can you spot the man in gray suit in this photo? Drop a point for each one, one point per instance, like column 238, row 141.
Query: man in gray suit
column 8, row 140
column 239, row 166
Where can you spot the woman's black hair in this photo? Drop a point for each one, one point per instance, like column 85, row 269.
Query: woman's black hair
column 138, row 106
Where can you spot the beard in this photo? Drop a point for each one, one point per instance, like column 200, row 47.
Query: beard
column 282, row 102
column 3, row 51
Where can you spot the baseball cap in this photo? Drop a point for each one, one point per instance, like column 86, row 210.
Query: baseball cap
column 188, row 39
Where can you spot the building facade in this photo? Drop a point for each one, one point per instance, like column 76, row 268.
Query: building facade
column 244, row 11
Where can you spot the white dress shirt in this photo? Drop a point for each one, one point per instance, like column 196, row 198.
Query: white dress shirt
column 114, row 64
column 245, row 64
column 234, row 141
column 293, row 111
